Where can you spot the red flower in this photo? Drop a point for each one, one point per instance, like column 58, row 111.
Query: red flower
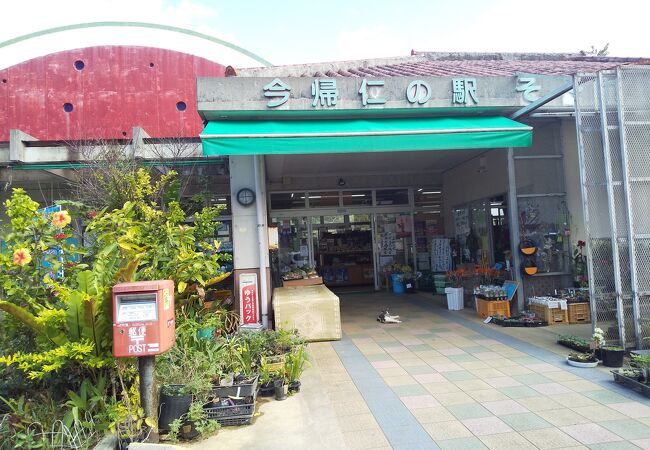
column 92, row 214
column 60, row 236
column 70, row 264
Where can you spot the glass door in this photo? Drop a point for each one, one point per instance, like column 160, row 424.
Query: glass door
column 293, row 244
column 393, row 243
column 342, row 247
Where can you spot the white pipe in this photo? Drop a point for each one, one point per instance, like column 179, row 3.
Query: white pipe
column 263, row 248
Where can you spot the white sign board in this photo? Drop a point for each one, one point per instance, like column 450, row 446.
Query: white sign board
column 136, row 308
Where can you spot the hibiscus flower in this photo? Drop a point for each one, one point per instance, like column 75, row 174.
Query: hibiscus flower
column 22, row 257
column 61, row 219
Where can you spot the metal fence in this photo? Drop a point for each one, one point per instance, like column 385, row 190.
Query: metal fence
column 613, row 120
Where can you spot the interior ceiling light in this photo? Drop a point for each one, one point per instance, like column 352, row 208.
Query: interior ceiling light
column 432, row 192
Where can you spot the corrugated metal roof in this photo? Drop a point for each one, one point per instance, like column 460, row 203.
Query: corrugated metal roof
column 451, row 64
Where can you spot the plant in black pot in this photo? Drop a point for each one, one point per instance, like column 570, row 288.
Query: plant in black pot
column 295, row 364
column 612, row 356
column 266, row 388
column 193, row 424
column 185, row 371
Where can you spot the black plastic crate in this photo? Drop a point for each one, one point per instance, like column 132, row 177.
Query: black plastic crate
column 234, row 421
column 239, row 390
column 230, row 411
column 633, row 384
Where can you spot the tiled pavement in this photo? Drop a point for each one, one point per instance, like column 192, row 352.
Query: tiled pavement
column 445, row 380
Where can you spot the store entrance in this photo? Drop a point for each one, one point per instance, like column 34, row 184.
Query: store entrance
column 343, row 250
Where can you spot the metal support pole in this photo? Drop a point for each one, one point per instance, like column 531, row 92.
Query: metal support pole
column 628, row 210
column 612, row 210
column 262, row 238
column 585, row 210
column 146, row 365
column 515, row 238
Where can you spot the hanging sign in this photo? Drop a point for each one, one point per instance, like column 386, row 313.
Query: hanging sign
column 248, row 298
column 387, row 244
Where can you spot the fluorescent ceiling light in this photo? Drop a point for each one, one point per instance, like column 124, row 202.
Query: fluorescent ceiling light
column 431, row 192
column 358, row 195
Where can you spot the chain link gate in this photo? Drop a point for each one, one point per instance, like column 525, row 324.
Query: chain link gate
column 613, row 123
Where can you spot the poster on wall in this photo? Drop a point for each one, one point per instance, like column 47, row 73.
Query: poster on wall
column 440, row 255
column 248, row 298
column 387, row 244
column 403, row 226
column 461, row 221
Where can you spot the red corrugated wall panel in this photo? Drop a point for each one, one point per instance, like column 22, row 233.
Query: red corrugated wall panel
column 118, row 88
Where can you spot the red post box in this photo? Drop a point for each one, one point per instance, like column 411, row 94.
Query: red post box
column 143, row 318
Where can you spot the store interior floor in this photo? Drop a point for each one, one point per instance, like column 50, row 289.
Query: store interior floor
column 443, row 379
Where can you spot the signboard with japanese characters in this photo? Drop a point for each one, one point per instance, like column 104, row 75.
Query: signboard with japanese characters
column 387, row 245
column 248, row 299
column 349, row 93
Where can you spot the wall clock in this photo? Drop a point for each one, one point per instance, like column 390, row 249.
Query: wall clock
column 245, row 197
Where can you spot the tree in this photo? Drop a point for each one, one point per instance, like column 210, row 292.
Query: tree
column 596, row 52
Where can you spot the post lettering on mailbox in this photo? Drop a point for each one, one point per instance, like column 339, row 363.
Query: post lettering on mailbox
column 248, row 298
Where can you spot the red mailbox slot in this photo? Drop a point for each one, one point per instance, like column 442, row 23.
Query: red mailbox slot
column 143, row 318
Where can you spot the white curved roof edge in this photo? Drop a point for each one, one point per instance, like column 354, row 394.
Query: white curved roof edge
column 47, row 44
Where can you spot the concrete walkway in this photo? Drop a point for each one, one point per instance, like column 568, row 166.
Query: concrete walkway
column 443, row 379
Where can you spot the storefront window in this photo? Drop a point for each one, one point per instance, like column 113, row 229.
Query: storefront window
column 357, row 198
column 323, row 199
column 428, row 198
column 545, row 222
column 392, row 197
column 222, row 201
column 288, row 200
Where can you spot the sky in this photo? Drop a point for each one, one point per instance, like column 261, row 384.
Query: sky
column 293, row 31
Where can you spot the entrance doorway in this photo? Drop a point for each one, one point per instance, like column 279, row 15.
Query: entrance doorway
column 343, row 250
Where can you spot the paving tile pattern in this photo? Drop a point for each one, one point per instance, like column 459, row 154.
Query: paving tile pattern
column 471, row 390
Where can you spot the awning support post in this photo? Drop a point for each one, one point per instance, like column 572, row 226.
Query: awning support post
column 513, row 212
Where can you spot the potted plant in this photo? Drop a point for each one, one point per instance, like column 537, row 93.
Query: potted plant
column 612, row 356
column 398, row 273
column 588, row 359
column 281, row 387
column 295, row 364
column 454, row 291
column 580, row 266
column 266, row 388
column 582, row 359
column 193, row 424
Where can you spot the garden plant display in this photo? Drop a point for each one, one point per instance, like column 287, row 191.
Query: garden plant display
column 55, row 333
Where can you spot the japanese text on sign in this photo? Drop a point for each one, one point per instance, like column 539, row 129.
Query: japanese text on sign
column 329, row 92
column 248, row 298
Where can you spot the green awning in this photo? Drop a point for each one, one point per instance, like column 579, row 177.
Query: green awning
column 275, row 137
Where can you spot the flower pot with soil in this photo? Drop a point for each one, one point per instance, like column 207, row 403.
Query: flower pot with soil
column 584, row 360
column 281, row 389
column 612, row 356
column 175, row 401
column 294, row 386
